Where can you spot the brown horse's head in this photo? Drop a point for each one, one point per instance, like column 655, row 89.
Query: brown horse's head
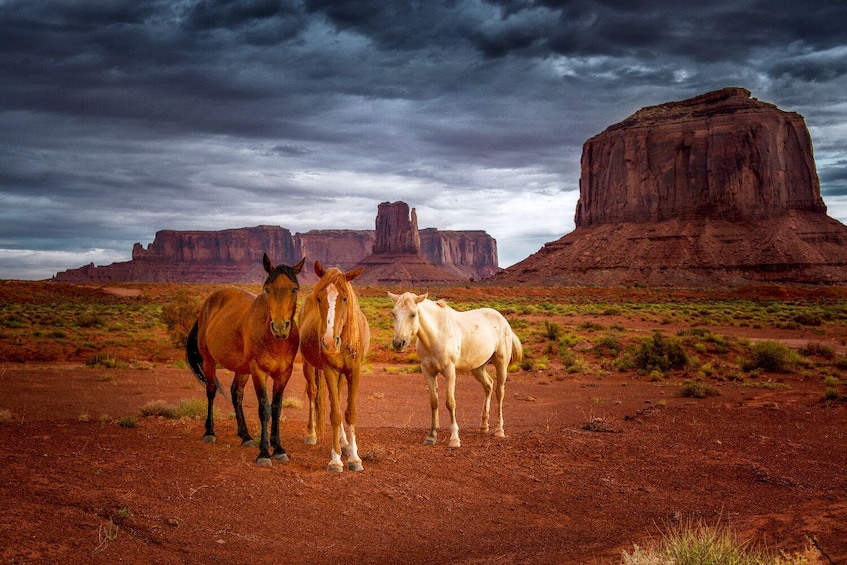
column 338, row 305
column 281, row 289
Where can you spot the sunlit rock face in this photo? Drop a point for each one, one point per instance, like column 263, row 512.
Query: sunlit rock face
column 715, row 190
column 719, row 155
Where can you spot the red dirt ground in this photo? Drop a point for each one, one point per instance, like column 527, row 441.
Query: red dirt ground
column 771, row 464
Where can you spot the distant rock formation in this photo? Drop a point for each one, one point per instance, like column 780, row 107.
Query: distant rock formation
column 718, row 189
column 396, row 257
column 235, row 255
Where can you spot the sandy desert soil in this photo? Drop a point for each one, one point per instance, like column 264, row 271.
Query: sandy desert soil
column 592, row 464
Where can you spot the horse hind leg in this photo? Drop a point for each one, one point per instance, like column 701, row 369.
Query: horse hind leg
column 237, row 392
column 312, row 392
column 502, row 372
column 486, row 381
column 211, row 390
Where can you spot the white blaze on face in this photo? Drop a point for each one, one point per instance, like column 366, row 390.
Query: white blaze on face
column 331, row 299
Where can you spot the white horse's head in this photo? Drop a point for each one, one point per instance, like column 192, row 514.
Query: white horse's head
column 406, row 319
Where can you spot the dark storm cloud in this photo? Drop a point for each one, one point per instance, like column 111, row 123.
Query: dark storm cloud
column 121, row 118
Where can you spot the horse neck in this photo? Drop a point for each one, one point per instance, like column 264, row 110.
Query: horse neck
column 429, row 314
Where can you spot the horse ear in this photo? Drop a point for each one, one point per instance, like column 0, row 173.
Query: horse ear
column 266, row 261
column 421, row 298
column 354, row 274
column 319, row 269
column 394, row 297
column 299, row 266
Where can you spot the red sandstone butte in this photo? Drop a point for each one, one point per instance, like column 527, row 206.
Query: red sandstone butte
column 715, row 190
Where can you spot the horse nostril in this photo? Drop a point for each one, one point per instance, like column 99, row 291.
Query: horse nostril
column 338, row 342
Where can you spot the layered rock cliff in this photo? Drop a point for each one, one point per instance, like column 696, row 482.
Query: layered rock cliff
column 235, row 255
column 718, row 189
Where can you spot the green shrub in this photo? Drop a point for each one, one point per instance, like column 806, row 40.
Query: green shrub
column 552, row 331
column 771, row 356
column 660, row 353
column 608, row 345
column 696, row 389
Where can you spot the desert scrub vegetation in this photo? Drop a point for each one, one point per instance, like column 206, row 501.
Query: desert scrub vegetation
column 771, row 356
column 699, row 544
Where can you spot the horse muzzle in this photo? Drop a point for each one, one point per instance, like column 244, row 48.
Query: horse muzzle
column 400, row 345
column 281, row 331
column 331, row 346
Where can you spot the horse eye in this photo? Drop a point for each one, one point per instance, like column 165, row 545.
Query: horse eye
column 319, row 300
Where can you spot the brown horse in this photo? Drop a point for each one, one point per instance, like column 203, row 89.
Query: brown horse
column 334, row 339
column 249, row 335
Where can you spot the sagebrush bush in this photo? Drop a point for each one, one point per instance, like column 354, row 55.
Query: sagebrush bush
column 771, row 356
column 660, row 353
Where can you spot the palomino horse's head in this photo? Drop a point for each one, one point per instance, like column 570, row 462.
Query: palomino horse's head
column 406, row 319
column 281, row 289
column 337, row 303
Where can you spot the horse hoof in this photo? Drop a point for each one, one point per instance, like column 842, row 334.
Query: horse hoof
column 209, row 439
column 310, row 440
column 483, row 429
column 353, row 466
column 429, row 441
column 455, row 443
column 335, row 468
column 248, row 443
column 280, row 457
column 499, row 433
column 264, row 462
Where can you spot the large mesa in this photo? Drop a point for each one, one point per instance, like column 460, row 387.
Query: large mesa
column 718, row 189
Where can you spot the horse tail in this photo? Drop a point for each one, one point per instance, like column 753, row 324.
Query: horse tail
column 193, row 356
column 195, row 359
column 517, row 348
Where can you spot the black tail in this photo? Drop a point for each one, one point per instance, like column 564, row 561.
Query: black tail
column 192, row 355
column 195, row 360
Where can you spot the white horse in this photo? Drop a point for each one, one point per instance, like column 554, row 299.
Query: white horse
column 448, row 341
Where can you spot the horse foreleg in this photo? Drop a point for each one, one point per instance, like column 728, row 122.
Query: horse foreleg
column 331, row 379
column 237, row 392
column 354, row 462
column 486, row 381
column 450, row 377
column 311, row 392
column 264, row 458
column 279, row 453
column 432, row 385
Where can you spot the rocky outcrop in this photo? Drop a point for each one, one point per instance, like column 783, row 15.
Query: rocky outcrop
column 471, row 255
column 720, row 155
column 719, row 189
column 235, row 255
column 396, row 257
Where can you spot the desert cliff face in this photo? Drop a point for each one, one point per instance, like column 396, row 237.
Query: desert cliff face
column 235, row 255
column 717, row 190
column 722, row 155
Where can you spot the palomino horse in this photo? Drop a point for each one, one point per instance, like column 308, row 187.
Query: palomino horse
column 450, row 341
column 249, row 335
column 334, row 340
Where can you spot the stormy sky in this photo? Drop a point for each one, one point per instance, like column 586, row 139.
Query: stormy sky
column 122, row 118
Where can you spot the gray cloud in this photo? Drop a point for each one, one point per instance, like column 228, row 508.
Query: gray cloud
column 123, row 118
